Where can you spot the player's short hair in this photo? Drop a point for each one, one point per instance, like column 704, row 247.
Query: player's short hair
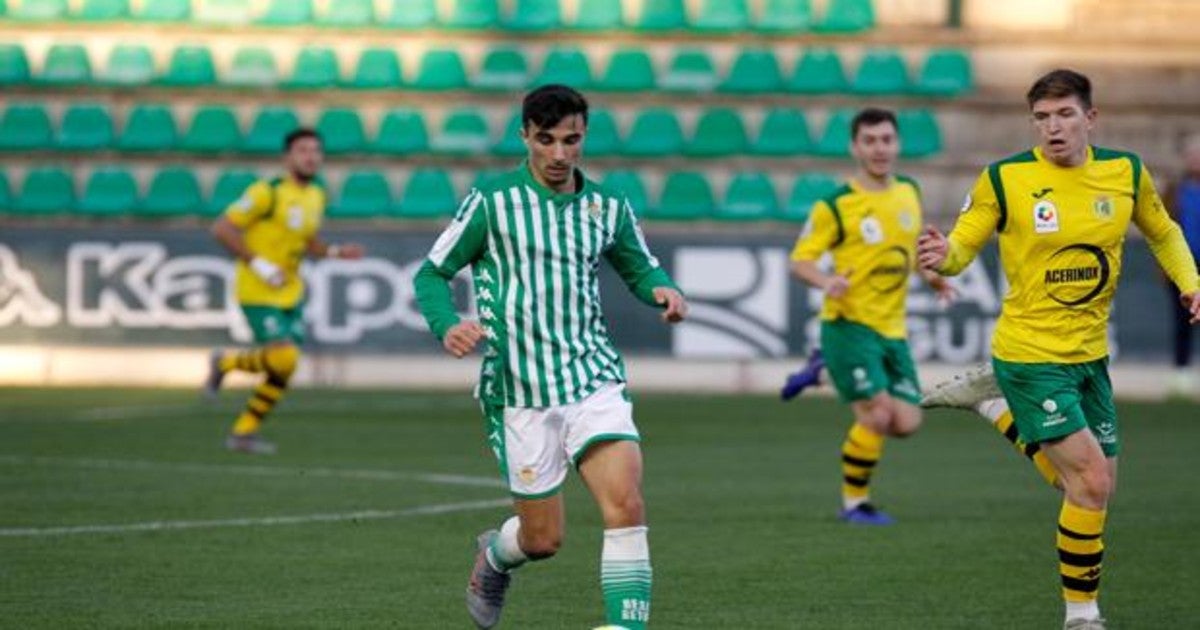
column 1061, row 83
column 547, row 105
column 872, row 116
column 298, row 134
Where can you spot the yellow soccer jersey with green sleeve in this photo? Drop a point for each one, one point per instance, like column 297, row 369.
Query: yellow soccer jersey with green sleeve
column 872, row 236
column 278, row 219
column 1061, row 233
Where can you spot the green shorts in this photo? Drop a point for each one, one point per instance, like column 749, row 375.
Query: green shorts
column 862, row 362
column 1050, row 401
column 271, row 323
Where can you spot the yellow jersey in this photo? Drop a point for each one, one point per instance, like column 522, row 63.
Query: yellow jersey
column 278, row 219
column 873, row 237
column 1061, row 233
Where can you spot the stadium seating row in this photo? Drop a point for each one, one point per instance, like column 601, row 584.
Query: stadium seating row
column 654, row 132
column 174, row 191
column 768, row 16
column 944, row 72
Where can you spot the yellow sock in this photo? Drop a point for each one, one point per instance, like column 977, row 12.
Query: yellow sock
column 253, row 361
column 280, row 362
column 860, row 453
column 1008, row 428
column 1080, row 551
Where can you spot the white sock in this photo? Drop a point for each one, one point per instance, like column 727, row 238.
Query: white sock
column 849, row 503
column 1083, row 610
column 992, row 408
column 504, row 554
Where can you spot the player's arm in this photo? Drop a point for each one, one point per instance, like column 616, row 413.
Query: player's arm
column 461, row 243
column 819, row 236
column 1167, row 243
column 980, row 217
column 229, row 228
column 639, row 269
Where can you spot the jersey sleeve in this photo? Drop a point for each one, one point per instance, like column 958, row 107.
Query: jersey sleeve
column 631, row 258
column 820, row 234
column 979, row 218
column 253, row 205
column 461, row 243
column 1164, row 235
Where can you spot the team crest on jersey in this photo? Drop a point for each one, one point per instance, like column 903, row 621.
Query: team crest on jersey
column 871, row 230
column 295, row 217
column 593, row 209
column 1103, row 207
column 1045, row 217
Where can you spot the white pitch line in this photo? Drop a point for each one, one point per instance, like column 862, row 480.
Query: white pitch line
column 267, row 521
column 261, row 471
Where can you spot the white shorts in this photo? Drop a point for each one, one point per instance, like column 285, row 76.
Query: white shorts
column 541, row 442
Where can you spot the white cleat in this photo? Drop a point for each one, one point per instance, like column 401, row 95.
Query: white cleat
column 965, row 390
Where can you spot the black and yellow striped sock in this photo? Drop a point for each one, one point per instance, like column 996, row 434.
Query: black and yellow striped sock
column 1008, row 428
column 860, row 452
column 253, row 361
column 264, row 399
column 1080, row 552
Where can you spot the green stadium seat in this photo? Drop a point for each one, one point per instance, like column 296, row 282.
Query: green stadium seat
column 225, row 12
column 534, row 15
column 835, row 140
column 662, row 15
column 691, row 71
column 3, row 13
column 412, row 14
column 14, row 65
column 463, row 132
column 104, row 10
column 847, row 16
column 599, row 15
column 287, row 13
column 316, row 67
column 148, row 128
column 502, row 69
column 253, row 66
column 109, row 191
column 173, row 191
column 946, row 72
column 475, row 14
column 129, row 65
column 428, row 194
column 807, row 190
column 190, row 66
column 441, row 69
column 719, row 133
column 510, row 143
column 655, row 133
column 378, row 68
column 785, row 17
column 85, row 126
column 628, row 183
column 401, row 132
column 784, row 133
column 268, row 129
column 364, row 194
column 41, row 10
column 66, row 64
column 25, row 127
column 603, row 138
column 214, row 129
column 754, row 71
column 341, row 130
column 881, row 71
column 568, row 66
column 46, row 190
column 229, row 187
column 348, row 14
column 629, row 70
column 485, row 177
column 724, row 16
column 165, row 11
column 819, row 71
column 6, row 199
column 749, row 197
column 919, row 134
column 686, row 196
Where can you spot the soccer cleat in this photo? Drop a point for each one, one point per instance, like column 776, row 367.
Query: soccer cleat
column 865, row 514
column 212, row 384
column 965, row 390
column 808, row 376
column 251, row 444
column 1084, row 624
column 486, row 588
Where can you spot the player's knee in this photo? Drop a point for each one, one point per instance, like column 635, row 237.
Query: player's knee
column 1096, row 483
column 282, row 360
column 626, row 510
column 540, row 546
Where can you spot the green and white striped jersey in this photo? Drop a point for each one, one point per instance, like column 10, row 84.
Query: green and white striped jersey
column 534, row 257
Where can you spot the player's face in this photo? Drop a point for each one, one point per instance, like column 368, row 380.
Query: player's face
column 304, row 158
column 876, row 147
column 555, row 152
column 1063, row 127
column 1191, row 157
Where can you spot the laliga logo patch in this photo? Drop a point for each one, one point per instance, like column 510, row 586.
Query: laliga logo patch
column 1045, row 217
column 594, row 210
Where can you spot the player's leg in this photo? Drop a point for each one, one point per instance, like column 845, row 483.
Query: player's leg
column 904, row 387
column 280, row 332
column 808, row 376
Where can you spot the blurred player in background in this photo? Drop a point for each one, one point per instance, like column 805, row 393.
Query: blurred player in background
column 870, row 225
column 269, row 231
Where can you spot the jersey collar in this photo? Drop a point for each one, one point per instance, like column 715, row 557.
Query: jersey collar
column 582, row 186
column 1037, row 153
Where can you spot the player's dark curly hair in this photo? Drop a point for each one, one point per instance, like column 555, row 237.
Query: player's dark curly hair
column 547, row 105
column 298, row 134
column 871, row 116
column 1061, row 83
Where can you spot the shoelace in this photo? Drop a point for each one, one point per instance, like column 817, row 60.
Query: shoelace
column 491, row 586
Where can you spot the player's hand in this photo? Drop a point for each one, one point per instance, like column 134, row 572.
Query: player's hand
column 460, row 340
column 347, row 251
column 932, row 249
column 267, row 271
column 1191, row 303
column 837, row 286
column 943, row 290
column 675, row 307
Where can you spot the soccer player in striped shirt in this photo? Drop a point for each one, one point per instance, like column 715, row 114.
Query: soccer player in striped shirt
column 552, row 385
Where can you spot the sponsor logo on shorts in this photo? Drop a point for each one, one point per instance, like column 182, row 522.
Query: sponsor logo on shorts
column 861, row 382
column 1050, row 406
column 527, row 474
column 1053, row 419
